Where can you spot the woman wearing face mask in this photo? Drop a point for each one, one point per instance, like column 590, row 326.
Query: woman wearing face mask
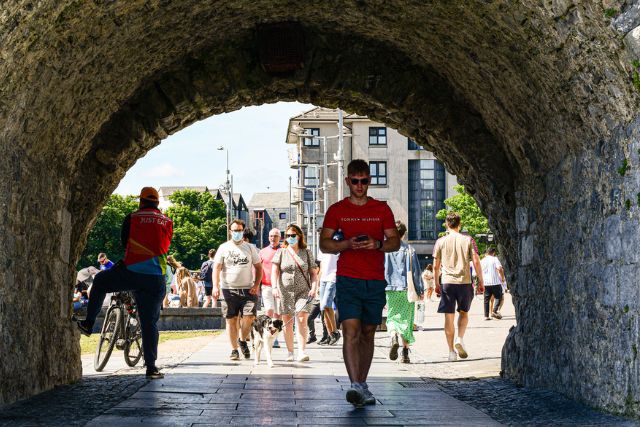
column 294, row 279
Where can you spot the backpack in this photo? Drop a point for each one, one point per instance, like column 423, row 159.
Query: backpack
column 206, row 272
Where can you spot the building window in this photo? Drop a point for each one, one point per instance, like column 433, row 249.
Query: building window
column 377, row 136
column 311, row 142
column 426, row 198
column 282, row 215
column 311, row 177
column 378, row 172
column 412, row 145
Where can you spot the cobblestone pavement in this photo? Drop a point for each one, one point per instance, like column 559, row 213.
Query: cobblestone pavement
column 203, row 387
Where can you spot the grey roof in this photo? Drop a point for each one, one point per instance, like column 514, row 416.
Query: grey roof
column 272, row 200
column 167, row 191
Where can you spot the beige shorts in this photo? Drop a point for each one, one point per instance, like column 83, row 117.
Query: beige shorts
column 268, row 301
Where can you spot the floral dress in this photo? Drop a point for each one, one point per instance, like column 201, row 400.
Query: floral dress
column 294, row 288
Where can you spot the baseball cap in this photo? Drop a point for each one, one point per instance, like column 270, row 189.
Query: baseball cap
column 149, row 193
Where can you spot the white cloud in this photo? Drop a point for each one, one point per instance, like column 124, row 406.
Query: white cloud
column 165, row 170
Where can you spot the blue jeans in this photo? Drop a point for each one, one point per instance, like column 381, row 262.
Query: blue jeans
column 148, row 290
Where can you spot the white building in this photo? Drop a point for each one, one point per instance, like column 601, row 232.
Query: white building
column 410, row 179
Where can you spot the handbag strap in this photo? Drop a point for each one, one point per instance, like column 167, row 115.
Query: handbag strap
column 293, row 255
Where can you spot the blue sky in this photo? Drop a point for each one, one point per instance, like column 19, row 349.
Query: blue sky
column 255, row 137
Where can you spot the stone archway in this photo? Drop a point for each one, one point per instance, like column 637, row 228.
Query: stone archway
column 532, row 106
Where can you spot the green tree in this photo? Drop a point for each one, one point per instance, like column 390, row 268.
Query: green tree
column 199, row 224
column 105, row 234
column 472, row 220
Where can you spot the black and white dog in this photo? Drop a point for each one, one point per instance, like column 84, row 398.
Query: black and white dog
column 264, row 331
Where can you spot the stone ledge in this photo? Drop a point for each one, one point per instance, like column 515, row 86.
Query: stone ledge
column 181, row 319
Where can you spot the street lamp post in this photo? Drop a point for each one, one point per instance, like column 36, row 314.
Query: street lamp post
column 228, row 188
column 340, row 156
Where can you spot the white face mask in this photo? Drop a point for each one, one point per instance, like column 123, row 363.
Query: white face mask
column 237, row 235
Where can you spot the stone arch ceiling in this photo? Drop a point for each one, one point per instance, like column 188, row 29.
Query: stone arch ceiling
column 501, row 90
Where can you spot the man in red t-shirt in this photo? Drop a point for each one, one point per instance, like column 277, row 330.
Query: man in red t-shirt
column 368, row 228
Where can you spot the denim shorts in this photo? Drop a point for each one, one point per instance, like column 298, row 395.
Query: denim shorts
column 360, row 299
column 327, row 294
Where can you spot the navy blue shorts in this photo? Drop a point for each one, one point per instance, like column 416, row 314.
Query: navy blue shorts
column 454, row 293
column 360, row 299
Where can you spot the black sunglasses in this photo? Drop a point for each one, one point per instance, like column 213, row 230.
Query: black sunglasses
column 356, row 181
column 291, row 235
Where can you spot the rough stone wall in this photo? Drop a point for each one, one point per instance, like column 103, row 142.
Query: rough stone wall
column 577, row 282
column 530, row 103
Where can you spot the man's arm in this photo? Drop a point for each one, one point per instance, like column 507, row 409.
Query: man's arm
column 215, row 276
column 501, row 273
column 330, row 246
column 478, row 267
column 124, row 231
column 436, row 273
column 392, row 241
column 255, row 290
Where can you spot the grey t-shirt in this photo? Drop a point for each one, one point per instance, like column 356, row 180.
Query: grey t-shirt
column 237, row 264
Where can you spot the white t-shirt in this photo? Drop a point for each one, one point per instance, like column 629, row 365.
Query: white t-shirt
column 490, row 275
column 237, row 264
column 328, row 266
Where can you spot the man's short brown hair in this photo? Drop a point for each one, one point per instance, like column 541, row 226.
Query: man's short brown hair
column 237, row 221
column 358, row 166
column 453, row 220
column 402, row 229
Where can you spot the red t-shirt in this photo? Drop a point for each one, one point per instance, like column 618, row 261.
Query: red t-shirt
column 371, row 219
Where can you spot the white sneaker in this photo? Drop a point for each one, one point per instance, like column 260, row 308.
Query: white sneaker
column 453, row 356
column 459, row 346
column 303, row 357
column 289, row 357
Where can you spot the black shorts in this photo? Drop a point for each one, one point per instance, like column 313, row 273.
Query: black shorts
column 239, row 302
column 208, row 288
column 452, row 294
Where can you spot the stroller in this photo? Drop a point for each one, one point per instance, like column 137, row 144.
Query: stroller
column 84, row 280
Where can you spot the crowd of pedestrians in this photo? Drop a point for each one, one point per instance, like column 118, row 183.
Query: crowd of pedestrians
column 363, row 266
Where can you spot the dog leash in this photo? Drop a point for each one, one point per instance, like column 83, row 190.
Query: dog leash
column 309, row 299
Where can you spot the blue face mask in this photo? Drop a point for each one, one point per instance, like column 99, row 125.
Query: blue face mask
column 237, row 235
column 292, row 240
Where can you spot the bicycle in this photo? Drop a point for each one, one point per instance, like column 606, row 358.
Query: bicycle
column 121, row 329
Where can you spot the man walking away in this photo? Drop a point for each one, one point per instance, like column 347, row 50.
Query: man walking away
column 493, row 275
column 234, row 264
column 369, row 230
column 452, row 254
column 206, row 275
column 146, row 235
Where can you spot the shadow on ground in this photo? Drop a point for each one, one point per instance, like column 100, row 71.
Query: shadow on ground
column 296, row 400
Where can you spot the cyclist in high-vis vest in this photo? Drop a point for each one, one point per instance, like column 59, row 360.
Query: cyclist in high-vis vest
column 146, row 235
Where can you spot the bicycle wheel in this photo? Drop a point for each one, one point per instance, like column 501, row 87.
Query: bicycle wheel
column 133, row 347
column 108, row 337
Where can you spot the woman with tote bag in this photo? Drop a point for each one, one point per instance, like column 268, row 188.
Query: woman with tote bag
column 404, row 289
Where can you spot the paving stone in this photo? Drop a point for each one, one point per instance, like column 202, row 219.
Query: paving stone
column 404, row 397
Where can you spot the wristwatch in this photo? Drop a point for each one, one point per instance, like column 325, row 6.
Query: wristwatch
column 379, row 244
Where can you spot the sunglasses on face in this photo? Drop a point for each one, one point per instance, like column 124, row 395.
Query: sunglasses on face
column 291, row 235
column 356, row 181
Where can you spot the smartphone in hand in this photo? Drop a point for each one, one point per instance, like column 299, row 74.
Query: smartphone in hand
column 362, row 238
